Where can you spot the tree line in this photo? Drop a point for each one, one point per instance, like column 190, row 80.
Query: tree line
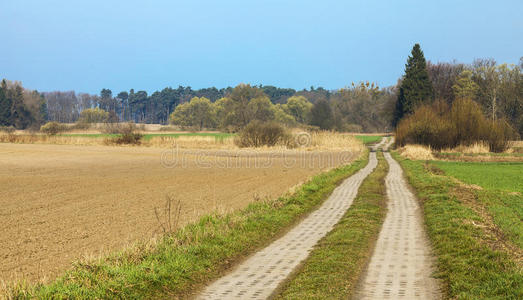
column 360, row 107
column 21, row 108
column 446, row 105
column 496, row 88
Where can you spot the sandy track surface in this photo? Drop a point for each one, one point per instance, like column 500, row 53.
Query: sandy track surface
column 258, row 276
column 61, row 202
column 402, row 264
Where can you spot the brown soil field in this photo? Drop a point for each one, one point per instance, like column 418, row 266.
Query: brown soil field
column 60, row 203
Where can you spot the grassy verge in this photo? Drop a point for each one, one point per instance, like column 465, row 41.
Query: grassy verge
column 368, row 139
column 468, row 261
column 334, row 266
column 182, row 261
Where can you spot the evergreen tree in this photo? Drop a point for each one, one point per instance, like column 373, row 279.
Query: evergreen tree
column 21, row 115
column 415, row 87
column 5, row 106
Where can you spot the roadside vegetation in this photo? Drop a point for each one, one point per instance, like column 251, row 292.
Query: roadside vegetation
column 475, row 231
column 184, row 260
column 335, row 264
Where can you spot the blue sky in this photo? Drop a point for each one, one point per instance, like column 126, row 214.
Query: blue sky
column 148, row 45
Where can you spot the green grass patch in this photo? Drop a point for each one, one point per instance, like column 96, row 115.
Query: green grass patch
column 148, row 136
column 503, row 185
column 468, row 266
column 506, row 176
column 332, row 269
column 368, row 139
column 458, row 154
column 192, row 256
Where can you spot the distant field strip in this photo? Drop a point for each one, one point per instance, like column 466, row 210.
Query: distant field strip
column 148, row 136
column 368, row 139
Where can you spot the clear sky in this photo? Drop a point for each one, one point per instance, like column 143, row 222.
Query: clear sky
column 148, row 45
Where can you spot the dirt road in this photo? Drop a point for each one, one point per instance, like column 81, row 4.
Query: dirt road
column 260, row 275
column 401, row 264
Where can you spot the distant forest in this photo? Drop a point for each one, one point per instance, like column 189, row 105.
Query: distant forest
column 359, row 107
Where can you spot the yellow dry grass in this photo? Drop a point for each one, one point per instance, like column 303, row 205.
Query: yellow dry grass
column 303, row 141
column 416, row 152
column 475, row 148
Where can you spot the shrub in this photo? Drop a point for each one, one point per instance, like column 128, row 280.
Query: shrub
column 53, row 128
column 127, row 134
column 464, row 124
column 500, row 135
column 258, row 134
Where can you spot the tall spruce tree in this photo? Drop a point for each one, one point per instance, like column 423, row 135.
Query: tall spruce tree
column 5, row 105
column 415, row 87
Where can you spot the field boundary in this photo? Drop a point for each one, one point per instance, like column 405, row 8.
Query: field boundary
column 179, row 263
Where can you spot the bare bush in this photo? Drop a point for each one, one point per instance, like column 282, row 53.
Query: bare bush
column 126, row 134
column 464, row 124
column 258, row 134
column 53, row 128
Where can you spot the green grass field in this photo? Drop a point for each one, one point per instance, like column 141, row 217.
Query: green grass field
column 334, row 266
column 468, row 262
column 148, row 136
column 502, row 185
column 368, row 139
column 192, row 256
column 505, row 176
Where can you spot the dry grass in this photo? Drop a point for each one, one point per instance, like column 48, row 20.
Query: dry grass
column 315, row 141
column 475, row 148
column 328, row 140
column 191, row 142
column 416, row 152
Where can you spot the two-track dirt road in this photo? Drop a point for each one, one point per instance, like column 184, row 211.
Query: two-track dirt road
column 401, row 264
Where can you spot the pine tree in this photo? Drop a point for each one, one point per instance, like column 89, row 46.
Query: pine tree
column 21, row 115
column 416, row 87
column 5, row 105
